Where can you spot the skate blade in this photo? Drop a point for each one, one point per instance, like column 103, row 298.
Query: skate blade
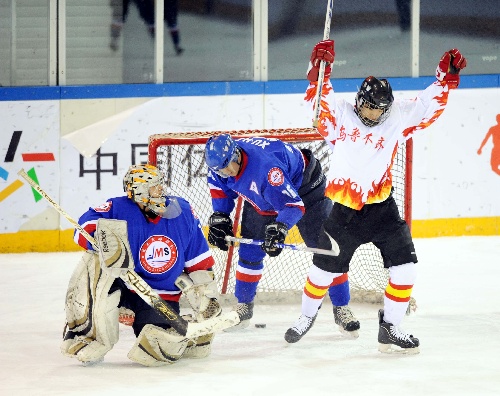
column 349, row 334
column 240, row 326
column 390, row 348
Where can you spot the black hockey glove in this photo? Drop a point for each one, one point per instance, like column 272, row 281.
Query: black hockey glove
column 219, row 226
column 275, row 233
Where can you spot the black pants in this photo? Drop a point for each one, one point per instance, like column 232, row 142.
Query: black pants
column 378, row 223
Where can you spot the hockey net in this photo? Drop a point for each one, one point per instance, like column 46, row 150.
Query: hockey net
column 180, row 157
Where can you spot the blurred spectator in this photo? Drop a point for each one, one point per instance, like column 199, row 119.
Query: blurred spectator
column 146, row 11
column 404, row 13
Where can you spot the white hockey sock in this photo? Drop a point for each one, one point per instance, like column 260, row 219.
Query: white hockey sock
column 317, row 284
column 398, row 292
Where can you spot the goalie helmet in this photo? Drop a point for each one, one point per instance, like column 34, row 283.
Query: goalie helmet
column 144, row 185
column 374, row 94
column 220, row 151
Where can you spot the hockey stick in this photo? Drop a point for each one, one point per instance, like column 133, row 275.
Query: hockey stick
column 187, row 330
column 334, row 252
column 321, row 75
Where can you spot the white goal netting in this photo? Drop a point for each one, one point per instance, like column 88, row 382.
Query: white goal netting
column 180, row 157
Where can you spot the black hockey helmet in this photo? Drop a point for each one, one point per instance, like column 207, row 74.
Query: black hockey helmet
column 375, row 94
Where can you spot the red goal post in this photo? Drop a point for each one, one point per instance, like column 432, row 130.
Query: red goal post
column 180, row 157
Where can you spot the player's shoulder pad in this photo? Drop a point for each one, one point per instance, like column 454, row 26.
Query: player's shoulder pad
column 106, row 206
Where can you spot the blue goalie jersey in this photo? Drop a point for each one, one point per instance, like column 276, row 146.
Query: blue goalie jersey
column 162, row 248
column 269, row 179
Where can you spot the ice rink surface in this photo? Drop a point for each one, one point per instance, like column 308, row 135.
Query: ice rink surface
column 457, row 322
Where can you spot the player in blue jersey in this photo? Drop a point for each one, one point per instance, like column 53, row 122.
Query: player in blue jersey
column 165, row 240
column 281, row 186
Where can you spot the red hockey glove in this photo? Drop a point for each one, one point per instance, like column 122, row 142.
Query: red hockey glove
column 321, row 51
column 449, row 66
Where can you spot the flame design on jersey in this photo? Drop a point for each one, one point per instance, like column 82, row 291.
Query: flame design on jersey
column 345, row 192
column 380, row 191
column 350, row 194
column 442, row 100
column 325, row 114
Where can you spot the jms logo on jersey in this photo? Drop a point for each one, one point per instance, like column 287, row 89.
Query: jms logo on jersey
column 158, row 254
column 275, row 177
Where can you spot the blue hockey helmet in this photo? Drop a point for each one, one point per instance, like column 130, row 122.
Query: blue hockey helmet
column 220, row 151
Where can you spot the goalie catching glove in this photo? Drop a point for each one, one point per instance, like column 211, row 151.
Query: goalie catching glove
column 200, row 290
column 323, row 51
column 448, row 69
column 220, row 225
column 275, row 233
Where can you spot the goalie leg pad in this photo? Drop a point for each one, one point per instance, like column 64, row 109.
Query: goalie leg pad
column 91, row 313
column 199, row 348
column 157, row 347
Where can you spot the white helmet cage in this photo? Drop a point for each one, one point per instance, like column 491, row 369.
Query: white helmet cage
column 137, row 182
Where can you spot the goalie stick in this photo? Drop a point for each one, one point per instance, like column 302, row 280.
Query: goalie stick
column 334, row 252
column 321, row 74
column 187, row 330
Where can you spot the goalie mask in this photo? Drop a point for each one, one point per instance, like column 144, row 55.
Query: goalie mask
column 144, row 185
column 373, row 101
column 220, row 151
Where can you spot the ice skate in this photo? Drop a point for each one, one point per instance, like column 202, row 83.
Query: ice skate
column 245, row 312
column 392, row 339
column 299, row 329
column 347, row 322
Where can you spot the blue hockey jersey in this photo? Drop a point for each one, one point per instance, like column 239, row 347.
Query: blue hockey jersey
column 162, row 248
column 269, row 179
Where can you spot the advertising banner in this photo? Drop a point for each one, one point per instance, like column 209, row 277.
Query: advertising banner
column 455, row 174
column 30, row 140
